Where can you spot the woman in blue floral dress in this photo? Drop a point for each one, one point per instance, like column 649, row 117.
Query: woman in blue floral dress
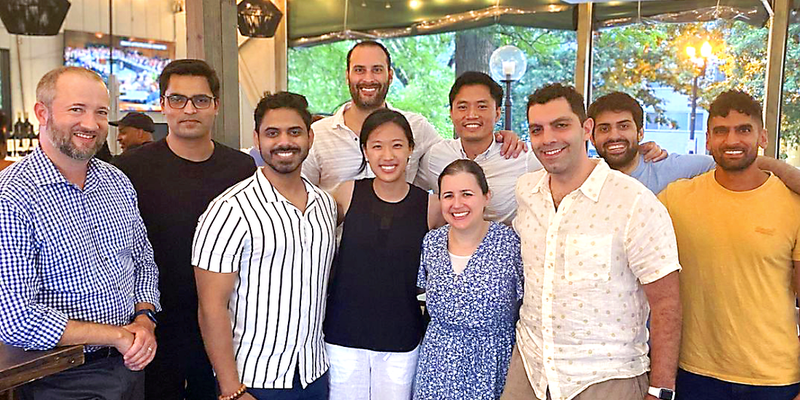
column 471, row 271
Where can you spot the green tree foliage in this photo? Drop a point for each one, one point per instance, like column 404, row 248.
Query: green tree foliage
column 636, row 59
column 422, row 76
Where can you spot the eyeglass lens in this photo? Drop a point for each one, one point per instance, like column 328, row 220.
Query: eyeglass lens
column 199, row 101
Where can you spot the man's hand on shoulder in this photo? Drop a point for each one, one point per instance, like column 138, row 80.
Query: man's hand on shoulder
column 652, row 152
column 512, row 146
column 143, row 348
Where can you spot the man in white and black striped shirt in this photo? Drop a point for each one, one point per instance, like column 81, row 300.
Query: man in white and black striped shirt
column 262, row 252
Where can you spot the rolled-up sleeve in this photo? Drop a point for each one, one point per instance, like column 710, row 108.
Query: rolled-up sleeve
column 24, row 322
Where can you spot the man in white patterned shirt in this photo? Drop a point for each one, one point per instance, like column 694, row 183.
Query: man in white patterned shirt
column 597, row 247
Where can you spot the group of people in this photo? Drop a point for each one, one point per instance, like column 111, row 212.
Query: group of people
column 188, row 273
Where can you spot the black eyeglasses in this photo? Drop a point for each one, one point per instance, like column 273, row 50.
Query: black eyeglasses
column 199, row 101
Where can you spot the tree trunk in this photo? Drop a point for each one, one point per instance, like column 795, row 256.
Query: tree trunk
column 473, row 51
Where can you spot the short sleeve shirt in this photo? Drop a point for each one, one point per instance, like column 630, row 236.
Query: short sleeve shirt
column 282, row 258
column 584, row 312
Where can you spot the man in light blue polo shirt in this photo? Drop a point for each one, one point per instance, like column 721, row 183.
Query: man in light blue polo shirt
column 618, row 129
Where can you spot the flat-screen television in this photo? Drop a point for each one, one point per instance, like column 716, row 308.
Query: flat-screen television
column 137, row 63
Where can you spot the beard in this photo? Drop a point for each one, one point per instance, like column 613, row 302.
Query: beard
column 734, row 165
column 283, row 166
column 61, row 139
column 619, row 161
column 369, row 104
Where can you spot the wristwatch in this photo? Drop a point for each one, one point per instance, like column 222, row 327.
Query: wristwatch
column 661, row 393
column 148, row 313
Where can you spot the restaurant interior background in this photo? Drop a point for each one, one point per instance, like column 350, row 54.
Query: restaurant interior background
column 639, row 47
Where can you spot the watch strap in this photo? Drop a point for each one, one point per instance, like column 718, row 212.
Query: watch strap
column 146, row 312
column 661, row 393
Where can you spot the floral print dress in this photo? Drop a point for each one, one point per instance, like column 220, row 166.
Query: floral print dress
column 467, row 347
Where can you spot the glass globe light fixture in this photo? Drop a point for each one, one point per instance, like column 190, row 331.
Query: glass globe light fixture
column 507, row 64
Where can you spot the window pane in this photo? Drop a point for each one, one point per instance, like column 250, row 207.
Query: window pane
column 790, row 110
column 425, row 68
column 650, row 62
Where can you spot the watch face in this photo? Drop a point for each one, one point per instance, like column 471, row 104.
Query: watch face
column 666, row 394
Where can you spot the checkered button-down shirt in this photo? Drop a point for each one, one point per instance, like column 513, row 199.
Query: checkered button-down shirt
column 68, row 253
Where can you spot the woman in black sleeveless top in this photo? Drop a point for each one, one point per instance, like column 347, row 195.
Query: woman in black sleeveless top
column 373, row 324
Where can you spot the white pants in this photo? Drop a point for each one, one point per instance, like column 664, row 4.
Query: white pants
column 358, row 374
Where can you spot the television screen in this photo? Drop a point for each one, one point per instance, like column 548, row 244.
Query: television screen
column 136, row 64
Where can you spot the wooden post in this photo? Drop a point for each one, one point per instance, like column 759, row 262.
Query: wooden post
column 583, row 63
column 211, row 29
column 776, row 60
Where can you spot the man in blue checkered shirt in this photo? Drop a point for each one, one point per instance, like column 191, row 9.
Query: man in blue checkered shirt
column 75, row 263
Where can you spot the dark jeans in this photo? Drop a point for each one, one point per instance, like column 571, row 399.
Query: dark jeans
column 103, row 379
column 691, row 386
column 180, row 369
column 317, row 390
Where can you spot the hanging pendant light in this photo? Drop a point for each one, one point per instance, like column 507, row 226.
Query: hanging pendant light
column 33, row 17
column 258, row 18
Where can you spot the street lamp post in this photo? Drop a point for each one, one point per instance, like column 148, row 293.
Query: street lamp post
column 701, row 62
column 507, row 64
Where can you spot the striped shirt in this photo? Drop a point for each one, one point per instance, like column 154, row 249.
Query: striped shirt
column 336, row 154
column 282, row 258
column 501, row 174
column 69, row 253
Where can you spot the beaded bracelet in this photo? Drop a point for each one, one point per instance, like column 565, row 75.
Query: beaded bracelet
column 235, row 395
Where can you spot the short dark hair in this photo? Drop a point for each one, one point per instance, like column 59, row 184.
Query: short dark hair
column 553, row 91
column 378, row 118
column 189, row 67
column 618, row 102
column 467, row 166
column 470, row 78
column 373, row 44
column 735, row 100
column 278, row 100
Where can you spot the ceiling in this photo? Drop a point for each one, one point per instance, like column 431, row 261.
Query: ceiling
column 319, row 21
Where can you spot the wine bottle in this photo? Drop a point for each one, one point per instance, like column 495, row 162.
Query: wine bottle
column 27, row 133
column 18, row 128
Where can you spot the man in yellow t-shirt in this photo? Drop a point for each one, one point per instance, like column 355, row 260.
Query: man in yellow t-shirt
column 737, row 229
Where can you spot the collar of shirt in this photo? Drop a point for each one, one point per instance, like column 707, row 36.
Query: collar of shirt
column 590, row 188
column 274, row 196
column 46, row 173
column 492, row 151
column 338, row 117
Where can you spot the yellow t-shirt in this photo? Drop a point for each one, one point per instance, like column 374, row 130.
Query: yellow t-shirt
column 736, row 250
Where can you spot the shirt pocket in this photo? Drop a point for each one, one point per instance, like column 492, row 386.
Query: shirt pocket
column 588, row 257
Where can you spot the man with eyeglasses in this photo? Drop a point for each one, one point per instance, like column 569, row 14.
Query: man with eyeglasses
column 176, row 178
